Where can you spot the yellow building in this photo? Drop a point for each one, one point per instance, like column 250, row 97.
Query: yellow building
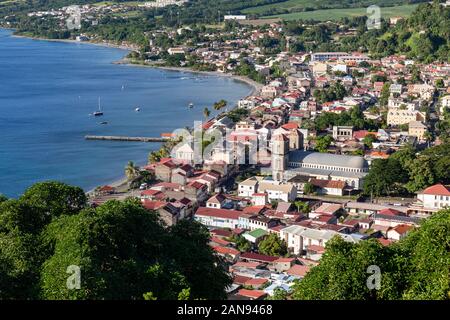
column 418, row 129
column 396, row 117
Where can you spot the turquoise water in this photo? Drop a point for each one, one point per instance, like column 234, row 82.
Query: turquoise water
column 49, row 89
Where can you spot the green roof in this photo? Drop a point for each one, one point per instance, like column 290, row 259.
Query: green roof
column 257, row 233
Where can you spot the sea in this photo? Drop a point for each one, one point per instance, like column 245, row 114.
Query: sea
column 49, row 91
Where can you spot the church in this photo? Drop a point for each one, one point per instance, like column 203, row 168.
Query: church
column 288, row 163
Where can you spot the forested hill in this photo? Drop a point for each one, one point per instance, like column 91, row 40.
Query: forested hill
column 210, row 8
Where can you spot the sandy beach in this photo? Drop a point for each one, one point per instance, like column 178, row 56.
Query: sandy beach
column 256, row 87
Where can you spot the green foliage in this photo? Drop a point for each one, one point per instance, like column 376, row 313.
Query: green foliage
column 335, row 92
column 407, row 171
column 278, row 294
column 323, row 143
column 354, row 117
column 55, row 198
column 302, row 206
column 414, row 268
column 123, row 251
column 241, row 243
column 220, row 104
column 308, row 188
column 272, row 245
column 368, row 140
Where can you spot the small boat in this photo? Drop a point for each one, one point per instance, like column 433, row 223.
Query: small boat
column 104, row 122
column 191, row 105
column 99, row 112
column 137, row 109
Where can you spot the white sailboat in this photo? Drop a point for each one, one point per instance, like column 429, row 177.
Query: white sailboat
column 99, row 112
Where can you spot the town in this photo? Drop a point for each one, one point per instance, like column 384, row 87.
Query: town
column 294, row 167
column 346, row 144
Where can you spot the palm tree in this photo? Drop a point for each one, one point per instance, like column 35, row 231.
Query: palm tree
column 206, row 113
column 131, row 171
column 221, row 104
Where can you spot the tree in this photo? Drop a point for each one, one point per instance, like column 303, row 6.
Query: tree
column 414, row 268
column 3, row 198
column 278, row 294
column 242, row 244
column 272, row 245
column 206, row 113
column 368, row 140
column 386, row 176
column 323, row 143
column 131, row 171
column 55, row 198
column 220, row 104
column 205, row 272
column 302, row 206
column 308, row 188
column 384, row 94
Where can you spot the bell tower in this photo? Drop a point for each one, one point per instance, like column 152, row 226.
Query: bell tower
column 280, row 152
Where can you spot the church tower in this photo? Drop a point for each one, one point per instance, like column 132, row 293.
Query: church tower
column 295, row 140
column 280, row 153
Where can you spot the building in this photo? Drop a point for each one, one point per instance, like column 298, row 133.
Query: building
column 350, row 169
column 432, row 199
column 235, row 17
column 342, row 133
column 299, row 238
column 278, row 191
column 219, row 218
column 417, row 129
column 396, row 116
column 173, row 51
column 329, row 187
column 340, row 56
column 399, row 232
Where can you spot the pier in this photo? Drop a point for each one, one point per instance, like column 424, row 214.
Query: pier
column 129, row 139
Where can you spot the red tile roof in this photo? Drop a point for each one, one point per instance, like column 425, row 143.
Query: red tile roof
column 220, row 232
column 254, row 209
column 437, row 189
column 150, row 192
column 252, row 294
column 391, row 212
column 402, row 228
column 290, row 125
column 258, row 257
column 328, row 183
column 316, row 248
column 298, row 270
column 226, row 250
column 153, row 205
column 256, row 282
column 220, row 241
column 240, row 279
column 218, row 213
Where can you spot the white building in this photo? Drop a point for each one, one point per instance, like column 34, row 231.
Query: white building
column 298, row 238
column 436, row 197
column 218, row 218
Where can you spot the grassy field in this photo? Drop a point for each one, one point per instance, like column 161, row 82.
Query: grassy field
column 290, row 4
column 335, row 14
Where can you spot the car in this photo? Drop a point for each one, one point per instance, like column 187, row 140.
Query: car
column 143, row 186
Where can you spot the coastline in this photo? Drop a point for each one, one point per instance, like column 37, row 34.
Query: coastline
column 256, row 87
column 121, row 183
